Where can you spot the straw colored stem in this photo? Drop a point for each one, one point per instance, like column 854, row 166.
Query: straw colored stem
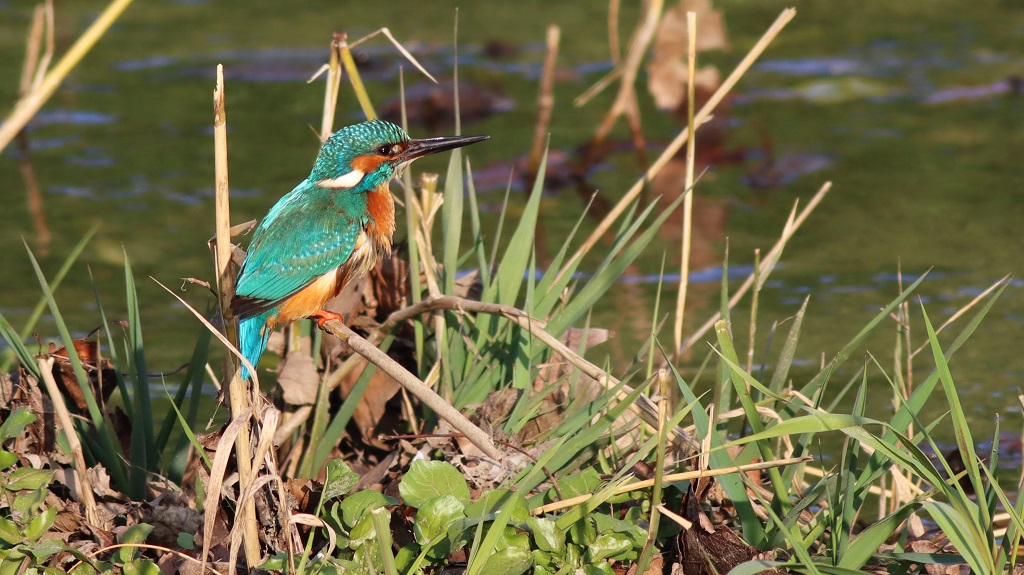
column 239, row 393
column 77, row 456
column 555, row 506
column 691, row 145
column 416, row 387
column 28, row 105
column 353, row 77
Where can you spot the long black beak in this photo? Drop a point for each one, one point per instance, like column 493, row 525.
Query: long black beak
column 427, row 146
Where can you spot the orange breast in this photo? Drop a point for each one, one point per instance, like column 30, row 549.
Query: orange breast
column 310, row 300
column 381, row 206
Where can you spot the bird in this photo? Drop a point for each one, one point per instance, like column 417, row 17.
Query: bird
column 329, row 230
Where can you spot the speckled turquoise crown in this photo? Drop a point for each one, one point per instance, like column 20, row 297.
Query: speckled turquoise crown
column 336, row 154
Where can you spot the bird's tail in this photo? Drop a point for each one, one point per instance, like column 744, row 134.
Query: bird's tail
column 252, row 339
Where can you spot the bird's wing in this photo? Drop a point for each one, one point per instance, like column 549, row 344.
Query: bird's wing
column 304, row 236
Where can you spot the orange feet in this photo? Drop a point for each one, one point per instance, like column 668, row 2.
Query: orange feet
column 323, row 316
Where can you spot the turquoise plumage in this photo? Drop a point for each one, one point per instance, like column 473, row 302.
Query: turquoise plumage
column 328, row 230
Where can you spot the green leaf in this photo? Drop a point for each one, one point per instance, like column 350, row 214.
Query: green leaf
column 16, row 423
column 46, row 548
column 511, row 560
column 428, row 479
column 583, row 532
column 610, row 545
column 340, row 479
column 602, row 568
column 955, row 527
column 547, row 536
column 867, row 542
column 141, row 567
column 584, row 483
column 10, row 533
column 507, row 500
column 186, row 541
column 355, row 506
column 40, row 524
column 432, row 522
column 7, row 459
column 135, row 534
column 29, row 502
column 28, row 478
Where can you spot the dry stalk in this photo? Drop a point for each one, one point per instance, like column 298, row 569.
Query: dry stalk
column 240, row 393
column 691, row 145
column 213, row 490
column 672, row 477
column 416, row 387
column 77, row 456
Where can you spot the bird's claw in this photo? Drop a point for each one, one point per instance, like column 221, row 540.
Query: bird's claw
column 324, row 316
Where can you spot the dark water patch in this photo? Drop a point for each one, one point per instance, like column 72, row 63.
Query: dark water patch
column 71, row 191
column 813, row 66
column 58, row 116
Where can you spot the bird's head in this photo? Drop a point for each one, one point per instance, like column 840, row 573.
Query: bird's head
column 363, row 156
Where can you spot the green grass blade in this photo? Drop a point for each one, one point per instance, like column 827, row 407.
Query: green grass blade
column 866, row 543
column 143, row 451
column 58, row 278
column 119, row 370
column 513, row 264
column 610, row 272
column 193, row 380
column 17, row 344
column 781, row 373
column 108, row 452
column 844, row 354
column 451, row 220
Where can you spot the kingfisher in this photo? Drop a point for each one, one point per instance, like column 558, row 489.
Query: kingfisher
column 327, row 231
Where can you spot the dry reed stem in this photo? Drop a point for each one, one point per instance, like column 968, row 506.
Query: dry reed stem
column 268, row 418
column 792, row 225
column 677, row 143
column 240, row 392
column 349, row 64
column 691, row 144
column 27, row 106
column 672, row 477
column 77, row 457
column 546, row 99
column 333, row 88
column 217, row 470
column 416, row 387
column 679, row 519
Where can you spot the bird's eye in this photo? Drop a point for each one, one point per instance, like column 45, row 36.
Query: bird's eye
column 389, row 150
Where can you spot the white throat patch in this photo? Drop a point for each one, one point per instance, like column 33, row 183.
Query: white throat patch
column 349, row 180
